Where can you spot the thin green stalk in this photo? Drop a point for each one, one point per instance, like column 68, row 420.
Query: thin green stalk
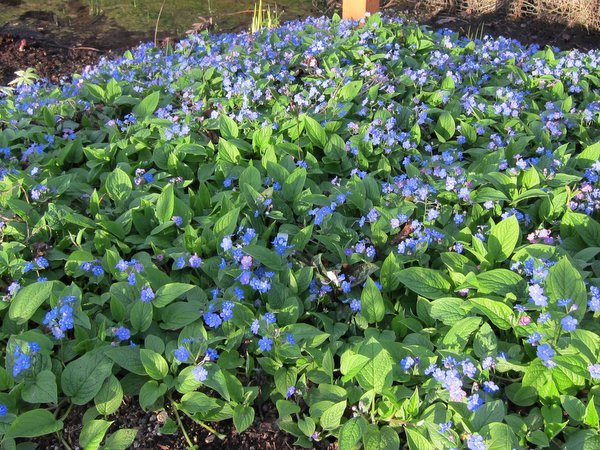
column 180, row 423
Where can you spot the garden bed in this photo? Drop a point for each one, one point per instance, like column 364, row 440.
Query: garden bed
column 370, row 235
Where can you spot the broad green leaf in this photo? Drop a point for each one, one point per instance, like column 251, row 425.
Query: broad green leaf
column 458, row 336
column 499, row 314
column 128, row 358
column 449, row 310
column 500, row 282
column 332, row 416
column 147, row 106
column 426, row 282
column 118, row 185
column 226, row 224
column 165, row 204
column 93, row 433
column 372, row 306
column 499, row 436
column 377, row 372
column 488, row 413
column 294, row 184
column 503, row 239
column 82, row 378
column 350, row 434
column 445, row 127
column 120, row 439
column 416, row 439
column 156, row 366
column 109, row 397
column 169, row 292
column 243, row 416
column 265, row 256
column 28, row 300
column 42, row 390
column 36, row 422
column 564, row 281
column 315, row 131
column 350, row 91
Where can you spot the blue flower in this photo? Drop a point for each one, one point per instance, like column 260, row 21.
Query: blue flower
column 200, row 373
column 568, row 323
column 407, row 363
column 444, row 427
column 195, row 261
column 255, row 326
column 290, row 391
column 490, row 387
column 98, row 271
column 269, row 317
column 290, row 339
column 594, row 370
column 147, row 294
column 212, row 354
column 355, row 305
column 476, row 442
column 181, row 353
column 265, row 344
column 3, row 410
column 122, row 333
column 474, row 402
column 212, row 320
column 545, row 353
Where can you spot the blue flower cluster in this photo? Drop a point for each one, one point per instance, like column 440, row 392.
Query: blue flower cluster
column 60, row 318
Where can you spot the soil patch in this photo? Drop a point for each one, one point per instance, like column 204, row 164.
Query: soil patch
column 263, row 434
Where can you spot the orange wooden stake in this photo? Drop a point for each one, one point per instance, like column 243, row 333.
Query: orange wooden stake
column 356, row 9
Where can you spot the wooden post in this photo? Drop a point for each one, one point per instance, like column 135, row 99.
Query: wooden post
column 356, row 9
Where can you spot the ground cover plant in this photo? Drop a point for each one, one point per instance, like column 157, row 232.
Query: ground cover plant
column 388, row 233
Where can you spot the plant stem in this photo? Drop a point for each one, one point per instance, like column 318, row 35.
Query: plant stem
column 157, row 22
column 178, row 419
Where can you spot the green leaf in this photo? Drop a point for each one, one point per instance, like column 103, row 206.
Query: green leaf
column 503, row 239
column 243, row 416
column 377, row 372
column 488, row 413
column 109, row 397
column 350, row 91
column 499, row 436
column 36, row 422
column 92, row 434
column 165, row 204
column 384, row 439
column 500, row 282
column 573, row 406
column 120, row 439
column 147, row 106
column 426, row 282
column 294, row 184
column 458, row 336
column 118, row 185
column 28, row 300
column 416, row 440
column 539, row 378
column 372, row 306
column 350, row 434
column 448, row 310
column 228, row 127
column 226, row 224
column 141, row 315
column 445, row 127
column 82, row 379
column 388, row 274
column 591, row 414
column 267, row 257
column 332, row 416
column 499, row 314
column 42, row 390
column 589, row 155
column 169, row 292
column 195, row 402
column 582, row 440
column 128, row 358
column 315, row 132
column 565, row 281
column 156, row 366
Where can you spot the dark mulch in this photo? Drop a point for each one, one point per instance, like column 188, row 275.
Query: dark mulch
column 262, row 435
